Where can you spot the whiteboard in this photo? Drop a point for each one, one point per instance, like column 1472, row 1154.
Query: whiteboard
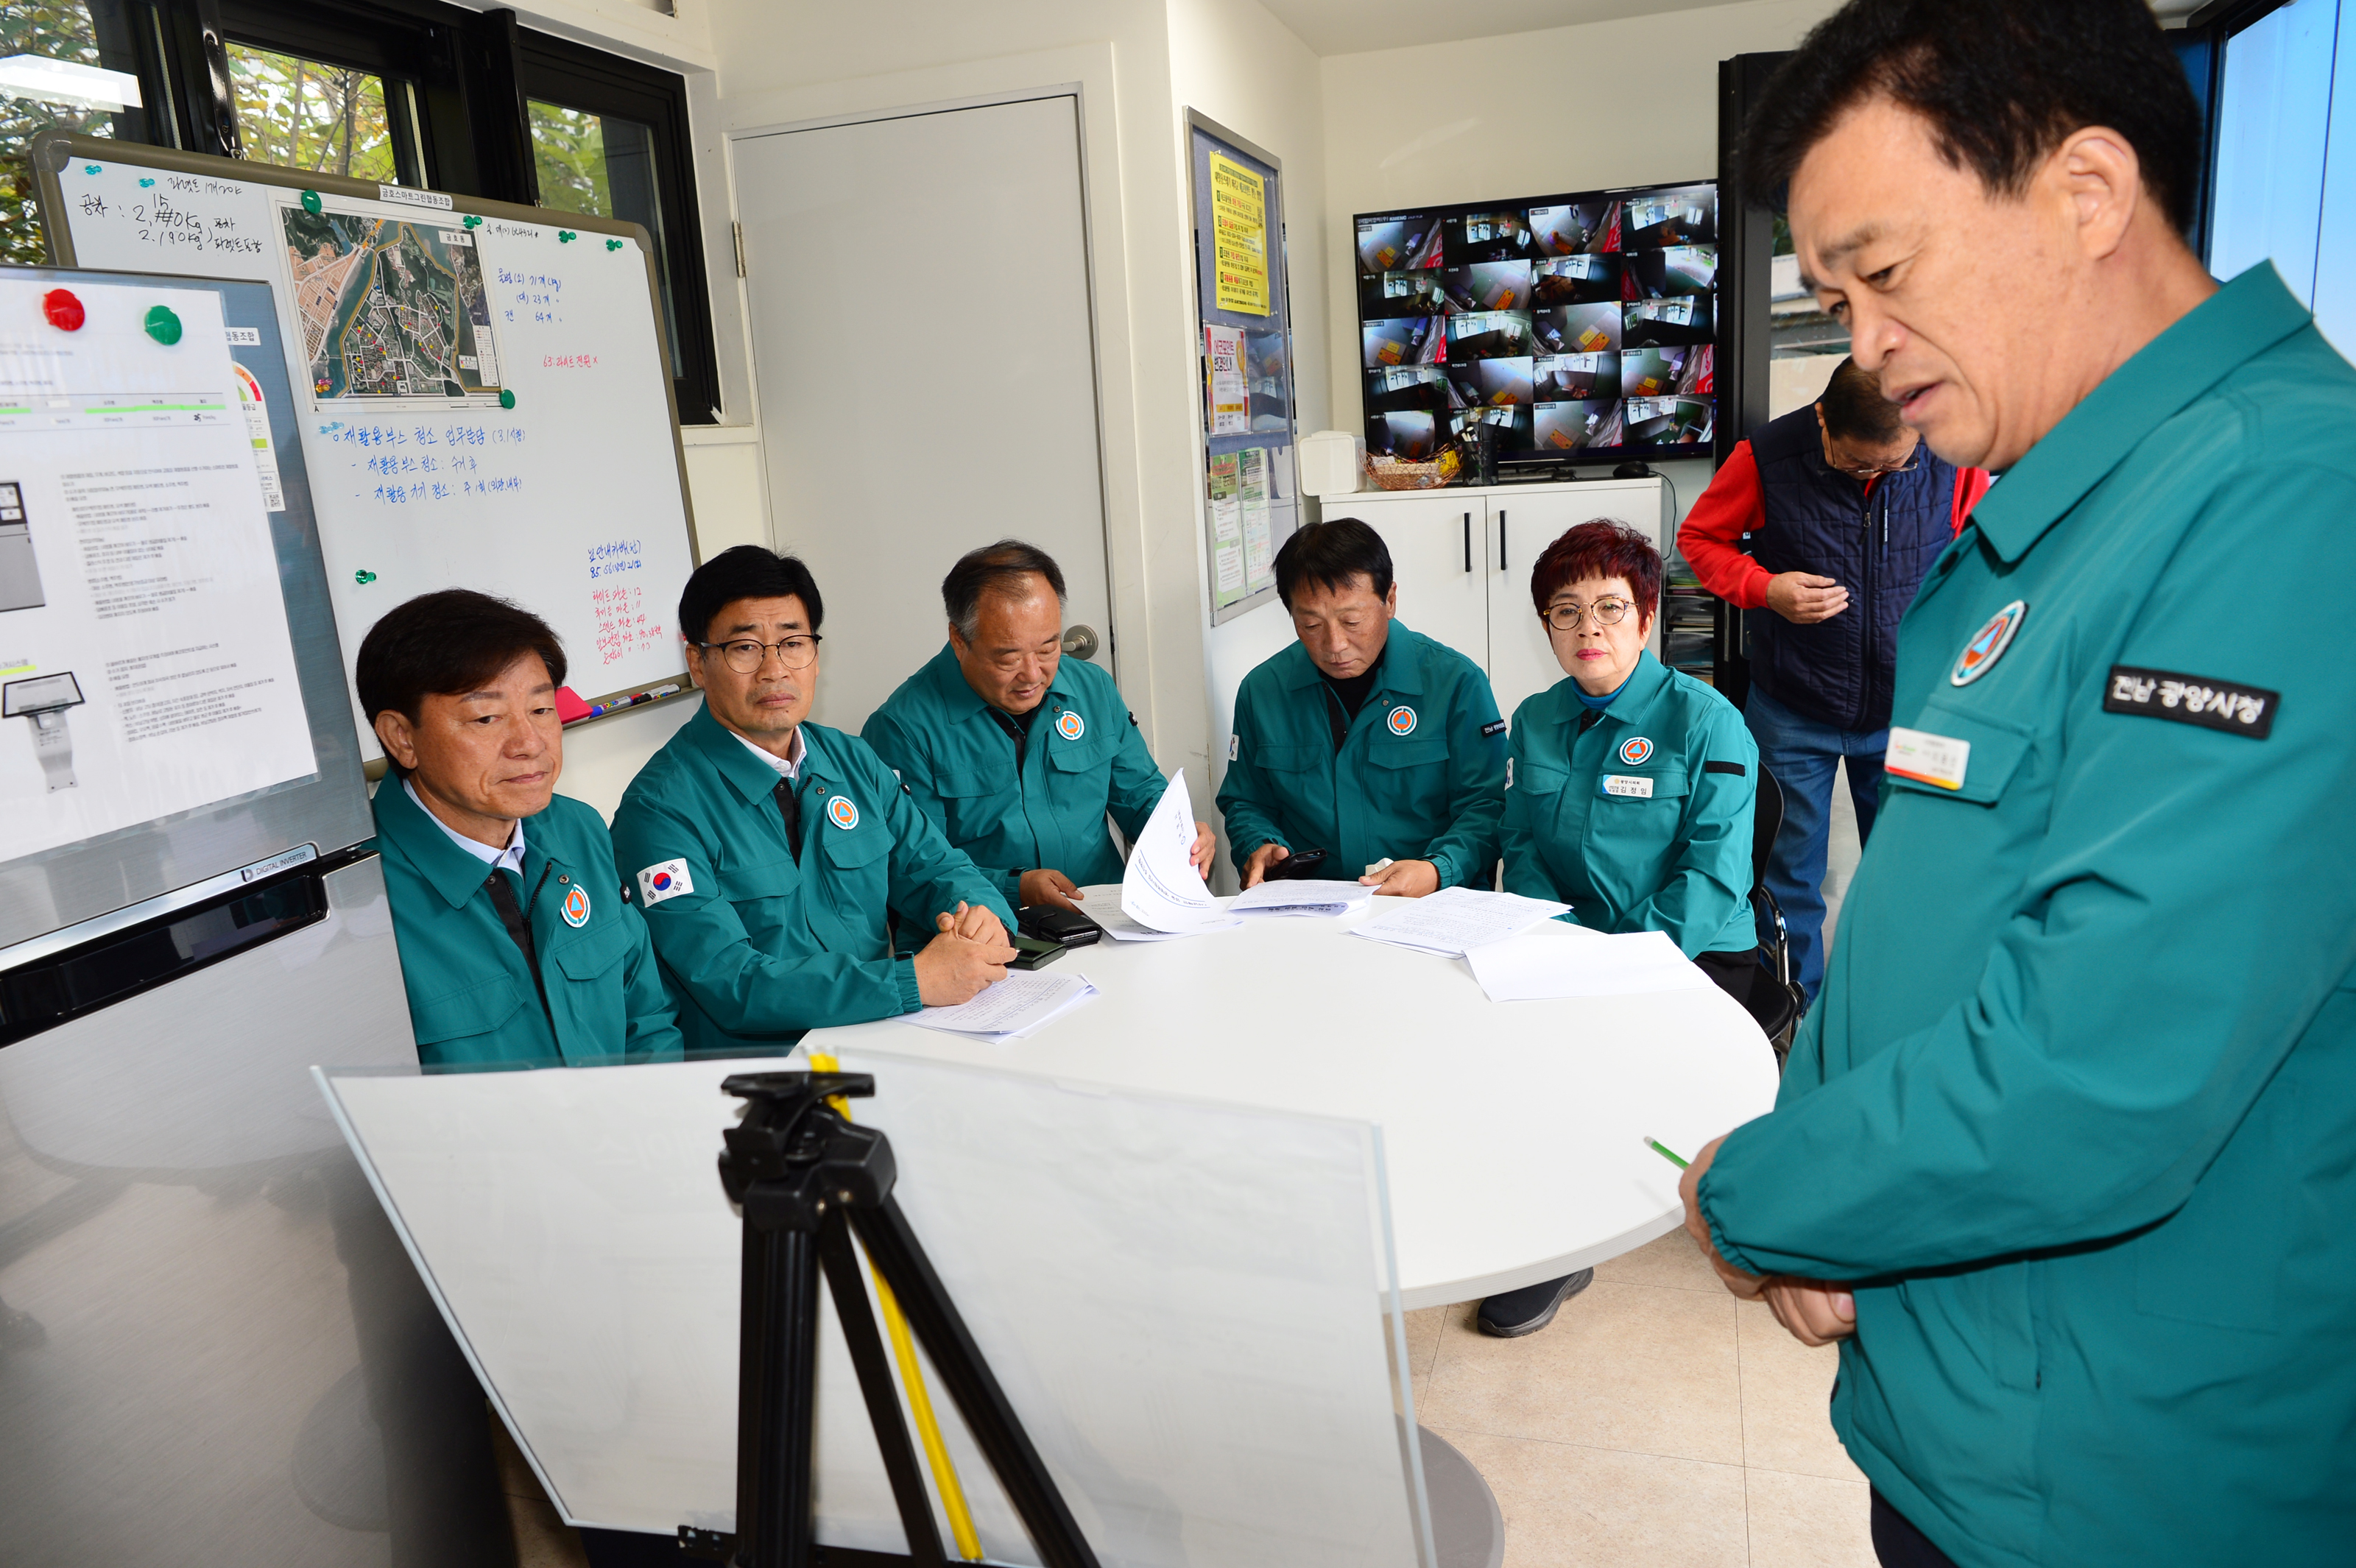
column 1183, row 1302
column 485, row 392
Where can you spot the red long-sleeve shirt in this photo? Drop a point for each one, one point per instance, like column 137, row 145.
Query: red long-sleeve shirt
column 1711, row 536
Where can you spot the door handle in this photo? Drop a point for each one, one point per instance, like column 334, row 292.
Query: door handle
column 1080, row 643
column 1501, row 539
column 1468, row 544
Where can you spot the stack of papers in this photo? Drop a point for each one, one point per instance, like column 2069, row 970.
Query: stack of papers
column 1023, row 1003
column 1108, row 913
column 1161, row 891
column 1547, row 964
column 1302, row 898
column 1455, row 920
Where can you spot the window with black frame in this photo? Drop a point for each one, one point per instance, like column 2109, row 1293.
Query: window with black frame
column 610, row 138
column 414, row 93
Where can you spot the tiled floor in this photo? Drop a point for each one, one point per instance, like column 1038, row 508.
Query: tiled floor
column 1656, row 1419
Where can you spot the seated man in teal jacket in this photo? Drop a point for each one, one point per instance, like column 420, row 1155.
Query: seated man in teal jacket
column 1026, row 799
column 769, row 853
column 1363, row 738
column 516, row 945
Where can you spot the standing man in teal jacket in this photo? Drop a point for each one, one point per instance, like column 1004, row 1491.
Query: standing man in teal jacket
column 516, row 945
column 2066, row 1154
column 770, row 854
column 1016, row 754
column 1363, row 739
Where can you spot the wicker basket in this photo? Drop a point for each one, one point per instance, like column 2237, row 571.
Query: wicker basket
column 1396, row 473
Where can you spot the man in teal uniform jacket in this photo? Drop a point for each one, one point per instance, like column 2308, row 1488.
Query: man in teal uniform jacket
column 1363, row 738
column 2065, row 1155
column 770, row 853
column 1017, row 754
column 516, row 943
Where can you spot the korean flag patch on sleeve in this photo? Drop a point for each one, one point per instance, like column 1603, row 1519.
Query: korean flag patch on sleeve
column 667, row 881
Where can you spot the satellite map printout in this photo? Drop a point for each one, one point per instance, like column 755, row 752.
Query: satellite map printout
column 391, row 307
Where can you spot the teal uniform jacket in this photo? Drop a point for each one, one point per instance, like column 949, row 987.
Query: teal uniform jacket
column 2077, row 1106
column 758, row 948
column 1082, row 758
column 1643, row 822
column 1421, row 775
column 471, row 997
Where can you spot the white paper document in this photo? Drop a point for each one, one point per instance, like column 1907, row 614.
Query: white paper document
column 1160, row 890
column 1103, row 906
column 1305, row 897
column 147, row 669
column 1023, row 1003
column 1456, row 920
column 1547, row 964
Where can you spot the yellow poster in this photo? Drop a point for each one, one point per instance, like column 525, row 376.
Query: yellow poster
column 1239, row 228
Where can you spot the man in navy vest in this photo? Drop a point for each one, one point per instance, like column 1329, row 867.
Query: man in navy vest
column 1820, row 527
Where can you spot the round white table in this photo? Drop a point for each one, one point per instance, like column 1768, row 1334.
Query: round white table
column 1510, row 1131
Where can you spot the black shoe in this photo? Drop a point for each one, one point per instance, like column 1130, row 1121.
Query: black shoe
column 1532, row 1307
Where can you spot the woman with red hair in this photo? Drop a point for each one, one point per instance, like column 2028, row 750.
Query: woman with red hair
column 1630, row 791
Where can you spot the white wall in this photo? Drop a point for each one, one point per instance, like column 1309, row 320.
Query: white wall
column 1633, row 101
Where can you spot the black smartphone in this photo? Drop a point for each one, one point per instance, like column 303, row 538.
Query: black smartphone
column 1302, row 865
column 1064, row 927
column 1029, row 953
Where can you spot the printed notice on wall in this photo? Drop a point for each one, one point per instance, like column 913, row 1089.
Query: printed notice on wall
column 145, row 665
column 1227, row 531
column 1230, row 398
column 1239, row 229
column 1252, row 491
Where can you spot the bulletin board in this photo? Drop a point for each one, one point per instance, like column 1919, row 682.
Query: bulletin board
column 485, row 398
column 1243, row 337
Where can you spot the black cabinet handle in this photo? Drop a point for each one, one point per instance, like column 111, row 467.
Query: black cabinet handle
column 1501, row 539
column 1468, row 543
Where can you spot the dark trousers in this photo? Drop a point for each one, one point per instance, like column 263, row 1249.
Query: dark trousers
column 1898, row 1543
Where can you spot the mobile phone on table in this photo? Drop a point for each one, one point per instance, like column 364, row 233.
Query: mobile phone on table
column 1029, row 953
column 1302, row 865
column 1064, row 927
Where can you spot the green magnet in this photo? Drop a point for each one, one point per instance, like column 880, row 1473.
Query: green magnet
column 566, row 236
column 311, row 202
column 507, row 397
column 363, row 578
column 162, row 326
column 472, row 221
column 613, row 244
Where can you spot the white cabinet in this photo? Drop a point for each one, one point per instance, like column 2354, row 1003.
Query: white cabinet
column 1462, row 559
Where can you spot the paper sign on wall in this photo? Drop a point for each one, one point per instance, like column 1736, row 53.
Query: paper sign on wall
column 1239, row 225
column 1230, row 398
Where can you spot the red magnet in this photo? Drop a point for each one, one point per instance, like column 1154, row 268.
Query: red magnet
column 64, row 311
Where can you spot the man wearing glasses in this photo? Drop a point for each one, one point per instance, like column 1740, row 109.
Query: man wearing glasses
column 1821, row 527
column 769, row 853
column 1017, row 754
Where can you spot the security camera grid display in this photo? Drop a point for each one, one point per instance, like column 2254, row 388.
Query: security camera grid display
column 1582, row 323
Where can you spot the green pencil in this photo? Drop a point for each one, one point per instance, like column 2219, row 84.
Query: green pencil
column 1662, row 1149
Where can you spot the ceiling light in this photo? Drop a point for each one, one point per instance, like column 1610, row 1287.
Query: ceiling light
column 67, row 81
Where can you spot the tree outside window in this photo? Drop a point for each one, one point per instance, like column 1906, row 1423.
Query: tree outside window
column 304, row 115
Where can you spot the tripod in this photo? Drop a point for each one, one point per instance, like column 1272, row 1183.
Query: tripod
column 804, row 1177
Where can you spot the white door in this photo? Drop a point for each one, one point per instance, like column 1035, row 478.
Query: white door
column 923, row 342
column 1435, row 545
column 1520, row 526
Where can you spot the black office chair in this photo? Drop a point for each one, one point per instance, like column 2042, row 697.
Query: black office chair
column 1776, row 1000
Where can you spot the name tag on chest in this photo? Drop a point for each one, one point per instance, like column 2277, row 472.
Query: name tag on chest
column 1926, row 758
column 1632, row 786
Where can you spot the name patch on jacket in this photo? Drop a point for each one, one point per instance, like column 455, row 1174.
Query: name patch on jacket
column 1494, row 727
column 2192, row 699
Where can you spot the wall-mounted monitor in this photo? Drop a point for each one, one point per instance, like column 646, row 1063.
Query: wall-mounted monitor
column 1574, row 325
